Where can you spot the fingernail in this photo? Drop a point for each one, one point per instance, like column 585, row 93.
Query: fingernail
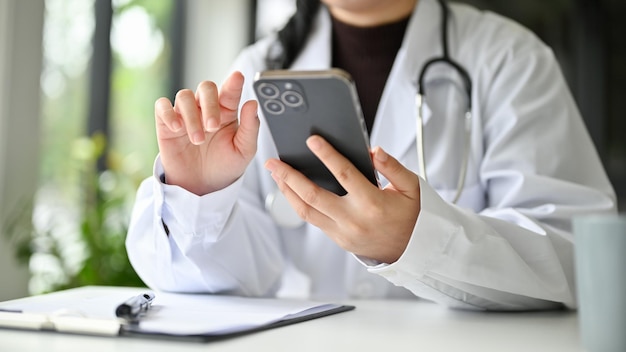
column 197, row 138
column 314, row 143
column 380, row 154
column 269, row 166
column 211, row 125
column 176, row 126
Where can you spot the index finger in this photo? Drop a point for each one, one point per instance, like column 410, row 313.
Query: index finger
column 206, row 97
column 348, row 176
column 230, row 96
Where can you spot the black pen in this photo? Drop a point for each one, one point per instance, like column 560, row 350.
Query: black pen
column 133, row 307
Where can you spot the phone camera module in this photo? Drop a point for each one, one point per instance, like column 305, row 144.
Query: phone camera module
column 292, row 99
column 274, row 107
column 268, row 91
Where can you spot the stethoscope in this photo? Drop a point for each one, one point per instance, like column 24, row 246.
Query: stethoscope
column 421, row 95
column 282, row 212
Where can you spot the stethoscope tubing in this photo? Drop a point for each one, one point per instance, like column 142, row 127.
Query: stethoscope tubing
column 420, row 99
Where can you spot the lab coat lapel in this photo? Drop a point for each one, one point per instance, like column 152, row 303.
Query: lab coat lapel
column 316, row 54
column 395, row 125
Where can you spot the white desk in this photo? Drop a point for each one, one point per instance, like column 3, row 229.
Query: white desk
column 373, row 326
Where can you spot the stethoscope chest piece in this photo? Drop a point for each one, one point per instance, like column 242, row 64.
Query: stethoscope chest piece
column 281, row 211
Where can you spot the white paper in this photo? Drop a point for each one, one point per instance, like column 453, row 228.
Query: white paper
column 210, row 314
column 171, row 314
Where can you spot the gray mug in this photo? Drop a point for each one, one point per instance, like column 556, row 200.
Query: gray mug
column 600, row 258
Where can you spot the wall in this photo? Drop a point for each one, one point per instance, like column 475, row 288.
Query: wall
column 21, row 24
column 215, row 33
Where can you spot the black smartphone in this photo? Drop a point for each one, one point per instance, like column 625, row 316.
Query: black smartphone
column 298, row 104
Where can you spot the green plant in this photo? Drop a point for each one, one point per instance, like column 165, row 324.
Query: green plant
column 85, row 242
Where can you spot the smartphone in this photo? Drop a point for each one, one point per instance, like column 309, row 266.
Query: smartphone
column 298, row 104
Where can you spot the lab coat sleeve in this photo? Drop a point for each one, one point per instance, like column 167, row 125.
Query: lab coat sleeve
column 217, row 243
column 538, row 170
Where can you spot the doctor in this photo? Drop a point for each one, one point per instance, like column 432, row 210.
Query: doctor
column 200, row 223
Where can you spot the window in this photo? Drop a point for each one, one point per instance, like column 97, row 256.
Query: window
column 83, row 202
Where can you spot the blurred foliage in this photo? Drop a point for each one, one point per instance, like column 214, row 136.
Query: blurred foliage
column 101, row 224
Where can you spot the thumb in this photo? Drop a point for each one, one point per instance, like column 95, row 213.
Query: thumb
column 401, row 178
column 246, row 138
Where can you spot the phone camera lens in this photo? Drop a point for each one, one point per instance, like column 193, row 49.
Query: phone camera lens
column 274, row 107
column 292, row 99
column 268, row 91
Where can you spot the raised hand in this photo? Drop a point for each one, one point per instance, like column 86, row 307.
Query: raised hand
column 203, row 145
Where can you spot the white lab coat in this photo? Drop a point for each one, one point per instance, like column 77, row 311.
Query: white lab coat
column 507, row 244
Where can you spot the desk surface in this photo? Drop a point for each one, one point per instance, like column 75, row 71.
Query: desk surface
column 372, row 326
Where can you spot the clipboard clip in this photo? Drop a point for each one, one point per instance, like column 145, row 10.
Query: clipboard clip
column 133, row 308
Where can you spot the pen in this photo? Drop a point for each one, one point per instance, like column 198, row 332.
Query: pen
column 5, row 310
column 133, row 307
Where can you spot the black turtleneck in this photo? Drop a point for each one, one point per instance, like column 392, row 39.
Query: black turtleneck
column 367, row 53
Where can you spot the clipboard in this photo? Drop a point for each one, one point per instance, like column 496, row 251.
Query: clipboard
column 90, row 310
